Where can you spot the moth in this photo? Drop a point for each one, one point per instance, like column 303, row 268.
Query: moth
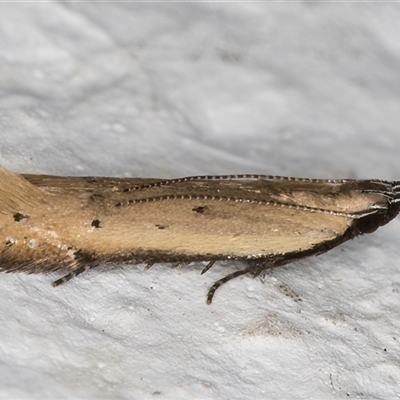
column 50, row 223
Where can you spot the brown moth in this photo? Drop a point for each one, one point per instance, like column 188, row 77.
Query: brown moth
column 50, row 223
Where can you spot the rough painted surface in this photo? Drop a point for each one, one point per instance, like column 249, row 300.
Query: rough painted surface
column 181, row 89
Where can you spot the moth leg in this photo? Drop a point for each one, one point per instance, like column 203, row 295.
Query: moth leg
column 257, row 268
column 227, row 278
column 149, row 265
column 181, row 264
column 207, row 267
column 72, row 274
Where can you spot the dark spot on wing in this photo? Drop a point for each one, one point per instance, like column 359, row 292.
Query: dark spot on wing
column 96, row 223
column 200, row 209
column 19, row 217
column 160, row 226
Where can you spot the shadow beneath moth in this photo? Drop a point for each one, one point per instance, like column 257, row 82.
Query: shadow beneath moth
column 50, row 223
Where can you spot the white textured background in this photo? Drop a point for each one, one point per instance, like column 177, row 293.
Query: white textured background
column 174, row 89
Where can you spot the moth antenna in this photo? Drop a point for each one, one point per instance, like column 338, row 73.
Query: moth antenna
column 169, row 197
column 168, row 182
column 207, row 267
column 72, row 274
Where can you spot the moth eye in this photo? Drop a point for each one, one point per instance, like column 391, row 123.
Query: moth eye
column 370, row 223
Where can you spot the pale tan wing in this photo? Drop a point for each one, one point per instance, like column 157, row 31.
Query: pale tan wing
column 215, row 228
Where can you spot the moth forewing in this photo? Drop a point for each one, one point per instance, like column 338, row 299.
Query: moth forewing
column 223, row 229
column 49, row 223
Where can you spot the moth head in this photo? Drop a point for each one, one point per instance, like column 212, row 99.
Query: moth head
column 394, row 206
column 382, row 211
